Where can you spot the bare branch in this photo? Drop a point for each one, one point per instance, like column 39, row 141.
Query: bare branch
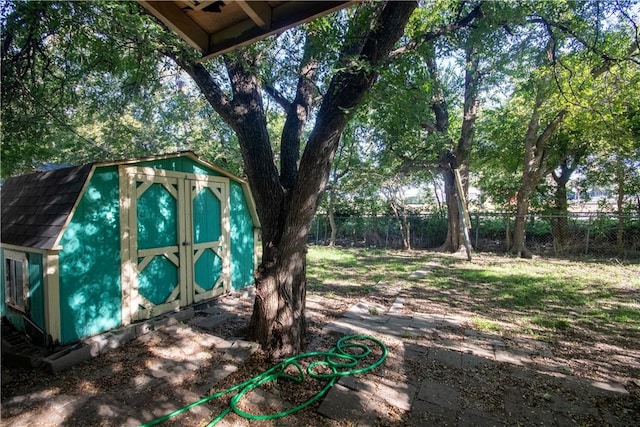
column 591, row 47
column 277, row 96
column 462, row 22
column 208, row 86
column 610, row 62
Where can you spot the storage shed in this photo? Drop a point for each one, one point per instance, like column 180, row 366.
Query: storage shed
column 90, row 248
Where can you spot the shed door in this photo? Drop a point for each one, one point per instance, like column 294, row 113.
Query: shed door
column 156, row 238
column 176, row 250
column 209, row 240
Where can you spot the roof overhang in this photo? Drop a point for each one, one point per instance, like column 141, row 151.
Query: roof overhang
column 216, row 27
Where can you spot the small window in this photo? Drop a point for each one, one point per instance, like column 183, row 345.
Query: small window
column 16, row 279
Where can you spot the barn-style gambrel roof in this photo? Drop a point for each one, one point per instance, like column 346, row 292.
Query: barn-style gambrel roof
column 35, row 207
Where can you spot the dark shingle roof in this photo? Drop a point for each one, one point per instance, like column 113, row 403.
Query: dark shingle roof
column 35, row 207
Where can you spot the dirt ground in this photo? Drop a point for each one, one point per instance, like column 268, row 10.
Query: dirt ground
column 596, row 356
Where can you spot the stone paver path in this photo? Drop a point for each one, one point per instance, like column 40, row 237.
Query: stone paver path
column 439, row 370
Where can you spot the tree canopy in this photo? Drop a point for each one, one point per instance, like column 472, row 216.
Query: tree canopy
column 516, row 96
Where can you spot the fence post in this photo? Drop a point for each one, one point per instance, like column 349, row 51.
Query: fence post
column 507, row 232
column 477, row 227
column 586, row 248
column 386, row 239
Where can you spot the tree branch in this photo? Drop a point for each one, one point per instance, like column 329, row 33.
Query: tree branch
column 610, row 62
column 346, row 90
column 208, row 86
column 410, row 165
column 549, row 129
column 248, row 120
column 470, row 106
column 430, row 128
column 438, row 101
column 461, row 22
column 592, row 47
column 277, row 96
column 298, row 113
column 633, row 24
column 541, row 142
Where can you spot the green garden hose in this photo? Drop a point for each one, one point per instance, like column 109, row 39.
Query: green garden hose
column 339, row 361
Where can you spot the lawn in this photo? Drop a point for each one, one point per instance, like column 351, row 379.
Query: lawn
column 542, row 298
column 576, row 322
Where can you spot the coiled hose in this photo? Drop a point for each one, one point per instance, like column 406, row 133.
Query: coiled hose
column 339, row 362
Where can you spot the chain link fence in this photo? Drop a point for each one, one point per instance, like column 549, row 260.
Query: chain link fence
column 582, row 233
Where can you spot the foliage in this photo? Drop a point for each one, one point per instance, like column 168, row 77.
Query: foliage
column 586, row 63
column 88, row 81
column 589, row 232
column 83, row 81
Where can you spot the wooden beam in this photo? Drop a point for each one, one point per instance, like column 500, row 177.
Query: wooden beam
column 243, row 22
column 284, row 16
column 197, row 5
column 179, row 22
column 259, row 12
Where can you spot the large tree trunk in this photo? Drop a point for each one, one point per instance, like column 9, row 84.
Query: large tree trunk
column 519, row 247
column 332, row 219
column 535, row 159
column 278, row 319
column 508, row 236
column 454, row 239
column 287, row 201
column 559, row 219
column 620, row 183
column 458, row 157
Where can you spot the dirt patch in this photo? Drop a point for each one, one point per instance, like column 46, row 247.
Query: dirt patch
column 166, row 369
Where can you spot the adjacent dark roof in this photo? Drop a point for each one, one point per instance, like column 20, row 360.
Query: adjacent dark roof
column 35, row 207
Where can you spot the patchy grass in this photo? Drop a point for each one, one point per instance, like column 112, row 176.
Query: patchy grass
column 360, row 267
column 486, row 325
column 540, row 297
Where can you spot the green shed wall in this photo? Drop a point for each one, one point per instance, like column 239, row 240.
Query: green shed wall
column 90, row 288
column 36, row 289
column 242, row 239
column 36, row 292
column 179, row 164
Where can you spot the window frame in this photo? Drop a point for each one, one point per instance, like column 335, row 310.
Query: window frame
column 9, row 260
